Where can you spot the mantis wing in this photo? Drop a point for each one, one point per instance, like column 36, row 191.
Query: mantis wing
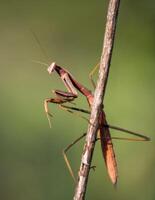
column 108, row 150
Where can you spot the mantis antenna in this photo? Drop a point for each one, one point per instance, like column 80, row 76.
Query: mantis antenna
column 39, row 44
column 39, row 62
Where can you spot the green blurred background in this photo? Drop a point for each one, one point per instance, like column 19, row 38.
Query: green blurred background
column 71, row 33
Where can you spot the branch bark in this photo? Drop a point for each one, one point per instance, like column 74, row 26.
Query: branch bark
column 98, row 99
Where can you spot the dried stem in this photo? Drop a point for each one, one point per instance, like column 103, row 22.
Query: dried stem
column 98, row 99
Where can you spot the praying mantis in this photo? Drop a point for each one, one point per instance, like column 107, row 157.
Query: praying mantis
column 72, row 86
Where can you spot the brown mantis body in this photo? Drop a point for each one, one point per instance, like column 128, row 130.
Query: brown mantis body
column 104, row 133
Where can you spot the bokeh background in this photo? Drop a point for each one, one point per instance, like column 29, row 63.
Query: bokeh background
column 71, row 33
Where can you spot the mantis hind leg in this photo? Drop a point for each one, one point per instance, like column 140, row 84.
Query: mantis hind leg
column 64, row 152
column 141, row 137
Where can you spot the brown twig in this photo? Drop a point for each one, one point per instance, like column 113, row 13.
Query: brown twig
column 98, row 99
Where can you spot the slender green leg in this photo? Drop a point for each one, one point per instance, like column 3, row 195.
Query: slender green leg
column 76, row 109
column 91, row 75
column 65, row 155
column 130, row 139
column 69, row 109
column 127, row 139
column 143, row 137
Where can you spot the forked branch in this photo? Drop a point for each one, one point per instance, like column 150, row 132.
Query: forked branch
column 98, row 99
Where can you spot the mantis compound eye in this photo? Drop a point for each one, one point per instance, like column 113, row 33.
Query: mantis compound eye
column 51, row 68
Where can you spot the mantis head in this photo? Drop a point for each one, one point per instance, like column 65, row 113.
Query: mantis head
column 51, row 68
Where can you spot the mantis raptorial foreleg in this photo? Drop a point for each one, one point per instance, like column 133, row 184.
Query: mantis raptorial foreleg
column 61, row 97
